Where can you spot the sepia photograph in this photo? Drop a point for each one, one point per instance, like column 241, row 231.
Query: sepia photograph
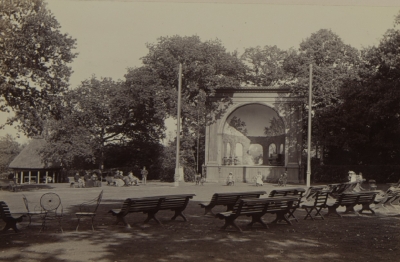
column 199, row 130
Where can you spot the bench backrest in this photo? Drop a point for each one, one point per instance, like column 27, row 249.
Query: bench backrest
column 4, row 210
column 232, row 198
column 264, row 205
column 146, row 204
column 287, row 192
column 356, row 198
column 338, row 189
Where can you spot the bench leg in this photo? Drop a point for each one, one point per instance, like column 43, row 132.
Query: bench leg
column 280, row 216
column 332, row 210
column 179, row 213
column 349, row 208
column 230, row 222
column 123, row 220
column 208, row 210
column 367, row 208
column 11, row 224
column 255, row 219
column 152, row 215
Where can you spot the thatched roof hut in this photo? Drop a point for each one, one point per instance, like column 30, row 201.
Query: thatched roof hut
column 31, row 162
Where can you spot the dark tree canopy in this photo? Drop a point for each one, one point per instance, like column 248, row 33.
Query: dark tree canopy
column 367, row 123
column 101, row 113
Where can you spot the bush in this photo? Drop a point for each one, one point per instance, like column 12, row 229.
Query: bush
column 339, row 173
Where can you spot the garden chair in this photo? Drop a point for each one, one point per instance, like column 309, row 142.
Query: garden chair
column 30, row 213
column 52, row 209
column 88, row 209
column 319, row 203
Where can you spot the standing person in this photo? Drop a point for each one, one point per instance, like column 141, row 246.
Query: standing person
column 144, row 175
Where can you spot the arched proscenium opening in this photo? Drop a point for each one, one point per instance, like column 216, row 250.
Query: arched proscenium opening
column 256, row 135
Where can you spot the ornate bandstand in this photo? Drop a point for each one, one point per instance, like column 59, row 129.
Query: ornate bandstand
column 259, row 130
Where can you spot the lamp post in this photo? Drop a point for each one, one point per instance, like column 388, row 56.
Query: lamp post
column 309, row 130
column 178, row 131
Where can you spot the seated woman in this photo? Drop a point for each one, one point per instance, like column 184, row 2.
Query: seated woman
column 282, row 179
column 352, row 176
column 230, row 181
column 259, row 181
column 133, row 179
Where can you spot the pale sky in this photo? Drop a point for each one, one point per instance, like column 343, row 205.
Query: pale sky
column 111, row 35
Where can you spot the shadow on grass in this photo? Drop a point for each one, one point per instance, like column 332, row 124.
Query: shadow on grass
column 352, row 238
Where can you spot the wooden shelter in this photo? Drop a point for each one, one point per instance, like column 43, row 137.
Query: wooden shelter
column 29, row 167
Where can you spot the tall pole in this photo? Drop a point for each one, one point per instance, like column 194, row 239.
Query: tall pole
column 309, row 130
column 198, row 138
column 178, row 131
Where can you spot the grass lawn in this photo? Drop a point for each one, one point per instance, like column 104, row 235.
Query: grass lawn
column 351, row 238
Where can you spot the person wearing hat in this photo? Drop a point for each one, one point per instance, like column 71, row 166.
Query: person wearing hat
column 352, row 176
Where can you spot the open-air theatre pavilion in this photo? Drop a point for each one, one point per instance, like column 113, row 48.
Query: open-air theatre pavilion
column 259, row 131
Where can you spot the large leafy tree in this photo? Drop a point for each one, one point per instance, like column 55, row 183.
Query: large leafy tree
column 369, row 124
column 9, row 149
column 265, row 65
column 334, row 62
column 33, row 63
column 206, row 67
column 104, row 113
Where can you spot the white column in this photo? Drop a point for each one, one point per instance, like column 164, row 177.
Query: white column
column 22, row 177
column 29, row 182
column 53, row 177
column 47, row 174
column 38, row 177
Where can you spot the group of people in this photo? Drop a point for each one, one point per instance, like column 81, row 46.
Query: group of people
column 88, row 180
column 129, row 179
column 230, row 180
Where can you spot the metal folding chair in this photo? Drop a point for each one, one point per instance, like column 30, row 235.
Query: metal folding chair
column 89, row 209
column 37, row 211
column 52, row 209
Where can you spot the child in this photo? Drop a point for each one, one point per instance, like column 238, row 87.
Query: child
column 283, row 179
column 259, row 181
column 229, row 180
column 197, row 179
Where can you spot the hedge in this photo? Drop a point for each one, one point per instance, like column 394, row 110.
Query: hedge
column 338, row 174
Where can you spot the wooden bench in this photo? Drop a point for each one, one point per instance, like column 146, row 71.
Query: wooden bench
column 151, row 205
column 5, row 215
column 298, row 191
column 228, row 200
column 350, row 200
column 256, row 208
